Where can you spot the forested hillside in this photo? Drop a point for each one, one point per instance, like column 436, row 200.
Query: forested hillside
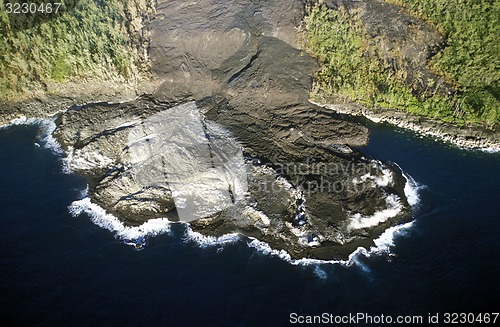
column 86, row 38
column 469, row 61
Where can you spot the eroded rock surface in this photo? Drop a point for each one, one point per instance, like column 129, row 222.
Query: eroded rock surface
column 229, row 141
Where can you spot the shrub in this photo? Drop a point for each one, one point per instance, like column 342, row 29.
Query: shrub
column 470, row 62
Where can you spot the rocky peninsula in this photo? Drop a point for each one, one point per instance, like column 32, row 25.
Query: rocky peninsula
column 226, row 138
column 229, row 142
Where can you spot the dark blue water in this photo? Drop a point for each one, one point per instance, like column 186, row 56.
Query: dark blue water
column 56, row 269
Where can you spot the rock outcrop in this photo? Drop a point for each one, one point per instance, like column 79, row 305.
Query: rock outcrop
column 229, row 141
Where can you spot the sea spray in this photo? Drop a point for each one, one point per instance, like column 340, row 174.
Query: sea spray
column 131, row 235
column 204, row 241
column 46, row 128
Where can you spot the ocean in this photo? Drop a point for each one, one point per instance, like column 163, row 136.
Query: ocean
column 63, row 262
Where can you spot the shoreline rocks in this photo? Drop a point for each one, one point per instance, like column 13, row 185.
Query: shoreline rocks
column 472, row 138
column 146, row 159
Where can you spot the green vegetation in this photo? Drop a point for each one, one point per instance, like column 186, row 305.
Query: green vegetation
column 86, row 39
column 470, row 62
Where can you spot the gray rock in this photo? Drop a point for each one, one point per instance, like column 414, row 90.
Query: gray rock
column 229, row 141
column 310, row 196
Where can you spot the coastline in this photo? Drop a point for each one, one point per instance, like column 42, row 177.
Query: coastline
column 465, row 137
column 138, row 236
column 49, row 105
column 77, row 92
column 281, row 122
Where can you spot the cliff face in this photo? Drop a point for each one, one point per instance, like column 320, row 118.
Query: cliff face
column 379, row 60
column 402, row 43
column 88, row 52
column 229, row 142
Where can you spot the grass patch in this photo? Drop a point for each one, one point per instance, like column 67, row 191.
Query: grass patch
column 336, row 38
column 88, row 39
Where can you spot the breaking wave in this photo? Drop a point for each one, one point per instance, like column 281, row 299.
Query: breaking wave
column 45, row 129
column 394, row 207
column 382, row 245
column 135, row 236
column 411, row 190
column 490, row 150
column 210, row 241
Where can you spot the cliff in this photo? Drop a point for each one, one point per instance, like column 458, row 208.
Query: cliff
column 88, row 51
column 428, row 63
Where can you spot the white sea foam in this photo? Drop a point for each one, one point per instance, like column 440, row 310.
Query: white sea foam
column 97, row 214
column 490, row 150
column 385, row 179
column 383, row 245
column 204, row 241
column 19, row 121
column 411, row 190
column 382, row 179
column 394, row 207
column 44, row 137
column 385, row 241
column 135, row 236
column 130, row 235
column 266, row 249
